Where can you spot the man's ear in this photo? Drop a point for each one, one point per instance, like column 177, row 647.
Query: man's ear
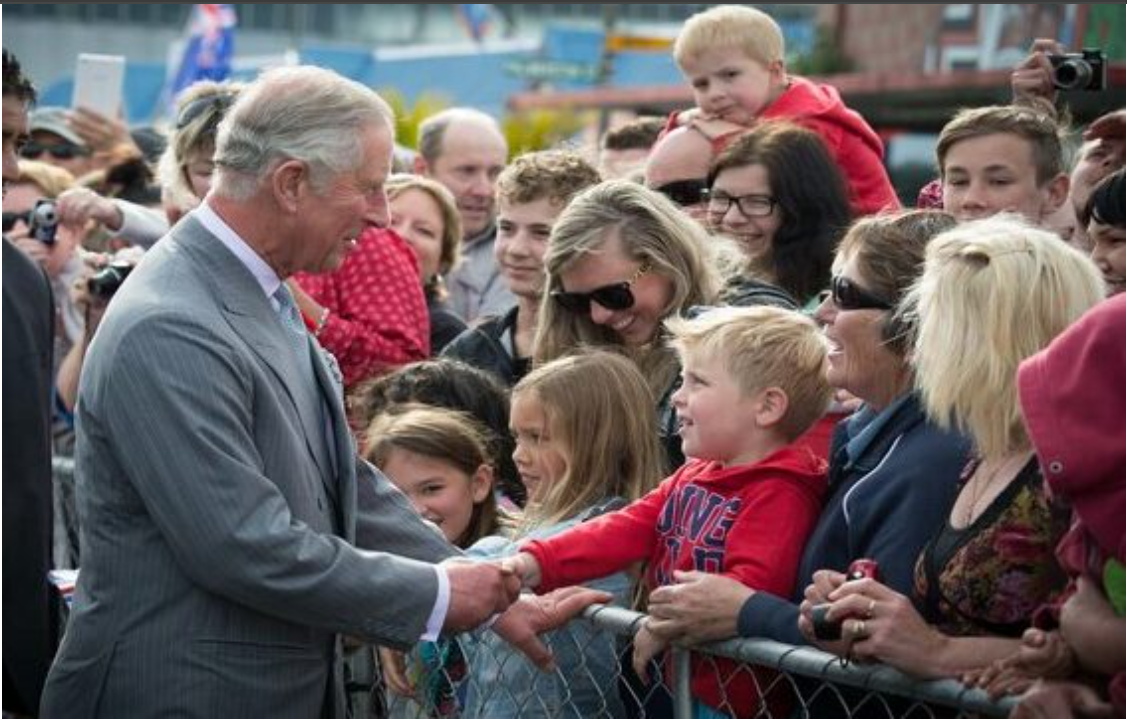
column 771, row 406
column 420, row 164
column 481, row 484
column 1056, row 193
column 289, row 182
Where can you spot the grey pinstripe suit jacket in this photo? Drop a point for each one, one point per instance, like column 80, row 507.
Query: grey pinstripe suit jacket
column 220, row 556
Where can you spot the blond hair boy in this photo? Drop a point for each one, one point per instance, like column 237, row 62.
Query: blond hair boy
column 743, row 505
column 734, row 57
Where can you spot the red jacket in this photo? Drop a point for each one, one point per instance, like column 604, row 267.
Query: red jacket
column 852, row 143
column 378, row 315
column 749, row 522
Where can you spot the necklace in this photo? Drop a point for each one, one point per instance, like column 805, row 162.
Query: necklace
column 982, row 482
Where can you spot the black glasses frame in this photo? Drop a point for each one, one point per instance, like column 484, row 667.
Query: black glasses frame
column 32, row 150
column 617, row 296
column 719, row 203
column 216, row 104
column 848, row 295
column 11, row 218
column 685, row 193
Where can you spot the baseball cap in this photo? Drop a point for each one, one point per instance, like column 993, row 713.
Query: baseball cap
column 53, row 119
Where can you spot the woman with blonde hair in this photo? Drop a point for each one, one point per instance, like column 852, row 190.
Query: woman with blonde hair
column 423, row 213
column 621, row 259
column 993, row 293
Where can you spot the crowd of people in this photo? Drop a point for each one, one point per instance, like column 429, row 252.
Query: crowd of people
column 705, row 367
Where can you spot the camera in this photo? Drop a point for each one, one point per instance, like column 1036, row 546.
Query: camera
column 106, row 281
column 1085, row 70
column 825, row 629
column 43, row 221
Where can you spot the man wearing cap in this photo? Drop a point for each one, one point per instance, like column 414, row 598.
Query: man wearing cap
column 55, row 141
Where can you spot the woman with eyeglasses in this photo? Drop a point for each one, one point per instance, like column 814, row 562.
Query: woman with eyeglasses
column 892, row 472
column 777, row 192
column 620, row 260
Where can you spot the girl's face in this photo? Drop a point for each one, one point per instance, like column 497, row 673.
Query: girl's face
column 440, row 492
column 540, row 459
column 417, row 218
column 638, row 324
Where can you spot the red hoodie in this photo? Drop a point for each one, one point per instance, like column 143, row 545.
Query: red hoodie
column 749, row 522
column 1072, row 397
column 852, row 143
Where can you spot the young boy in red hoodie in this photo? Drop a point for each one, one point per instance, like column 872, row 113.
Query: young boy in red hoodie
column 745, row 502
column 733, row 56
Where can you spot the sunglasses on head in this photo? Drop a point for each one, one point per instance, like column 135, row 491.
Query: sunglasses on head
column 618, row 296
column 216, row 104
column 684, row 192
column 848, row 295
column 63, row 151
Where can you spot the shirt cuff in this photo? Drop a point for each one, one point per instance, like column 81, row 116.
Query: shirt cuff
column 441, row 605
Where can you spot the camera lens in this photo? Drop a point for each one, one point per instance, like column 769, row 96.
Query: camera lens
column 44, row 221
column 1073, row 74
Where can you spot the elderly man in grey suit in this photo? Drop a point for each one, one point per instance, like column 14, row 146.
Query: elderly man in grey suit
column 230, row 534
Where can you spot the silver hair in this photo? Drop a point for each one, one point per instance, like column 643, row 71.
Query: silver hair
column 432, row 131
column 294, row 113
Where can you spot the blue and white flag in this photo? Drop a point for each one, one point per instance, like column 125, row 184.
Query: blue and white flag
column 210, row 46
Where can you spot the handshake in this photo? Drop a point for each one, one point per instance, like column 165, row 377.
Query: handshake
column 491, row 591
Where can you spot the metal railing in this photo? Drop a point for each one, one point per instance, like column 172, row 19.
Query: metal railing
column 756, row 678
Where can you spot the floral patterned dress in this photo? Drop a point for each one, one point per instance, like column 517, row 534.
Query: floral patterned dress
column 989, row 577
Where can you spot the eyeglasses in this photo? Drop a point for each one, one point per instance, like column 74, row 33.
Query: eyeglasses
column 11, row 218
column 216, row 104
column 62, row 151
column 719, row 202
column 618, row 296
column 684, row 192
column 848, row 295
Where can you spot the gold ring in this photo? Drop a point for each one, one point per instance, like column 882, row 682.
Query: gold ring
column 872, row 607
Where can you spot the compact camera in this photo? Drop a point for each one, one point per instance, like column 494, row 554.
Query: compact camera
column 1085, row 70
column 43, row 222
column 831, row 629
column 106, row 281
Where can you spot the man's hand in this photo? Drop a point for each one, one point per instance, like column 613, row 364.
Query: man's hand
column 477, row 592
column 535, row 614
column 699, row 607
column 1032, row 79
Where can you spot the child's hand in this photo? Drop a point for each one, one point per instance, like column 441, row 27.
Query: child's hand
column 394, row 666
column 525, row 567
column 646, row 647
column 713, row 127
column 686, row 117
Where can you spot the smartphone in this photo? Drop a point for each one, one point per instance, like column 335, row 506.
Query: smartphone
column 98, row 83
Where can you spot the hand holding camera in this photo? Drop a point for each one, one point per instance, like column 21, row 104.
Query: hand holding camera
column 826, row 629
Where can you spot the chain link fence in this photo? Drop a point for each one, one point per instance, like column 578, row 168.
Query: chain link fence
column 477, row 675
column 736, row 678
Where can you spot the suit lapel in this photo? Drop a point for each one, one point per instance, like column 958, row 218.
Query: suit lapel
column 249, row 312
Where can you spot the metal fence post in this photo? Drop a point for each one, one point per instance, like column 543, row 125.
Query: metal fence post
column 682, row 687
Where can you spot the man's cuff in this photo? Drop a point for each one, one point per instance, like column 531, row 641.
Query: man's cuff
column 441, row 605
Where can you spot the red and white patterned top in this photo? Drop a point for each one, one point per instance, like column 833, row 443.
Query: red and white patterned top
column 377, row 311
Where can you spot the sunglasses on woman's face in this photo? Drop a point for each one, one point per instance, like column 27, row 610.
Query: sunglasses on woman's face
column 848, row 295
column 685, row 193
column 618, row 296
column 216, row 104
column 11, row 218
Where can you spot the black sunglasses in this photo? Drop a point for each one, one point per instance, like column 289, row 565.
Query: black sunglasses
column 848, row 295
column 684, row 192
column 11, row 218
column 216, row 104
column 618, row 296
column 63, row 151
